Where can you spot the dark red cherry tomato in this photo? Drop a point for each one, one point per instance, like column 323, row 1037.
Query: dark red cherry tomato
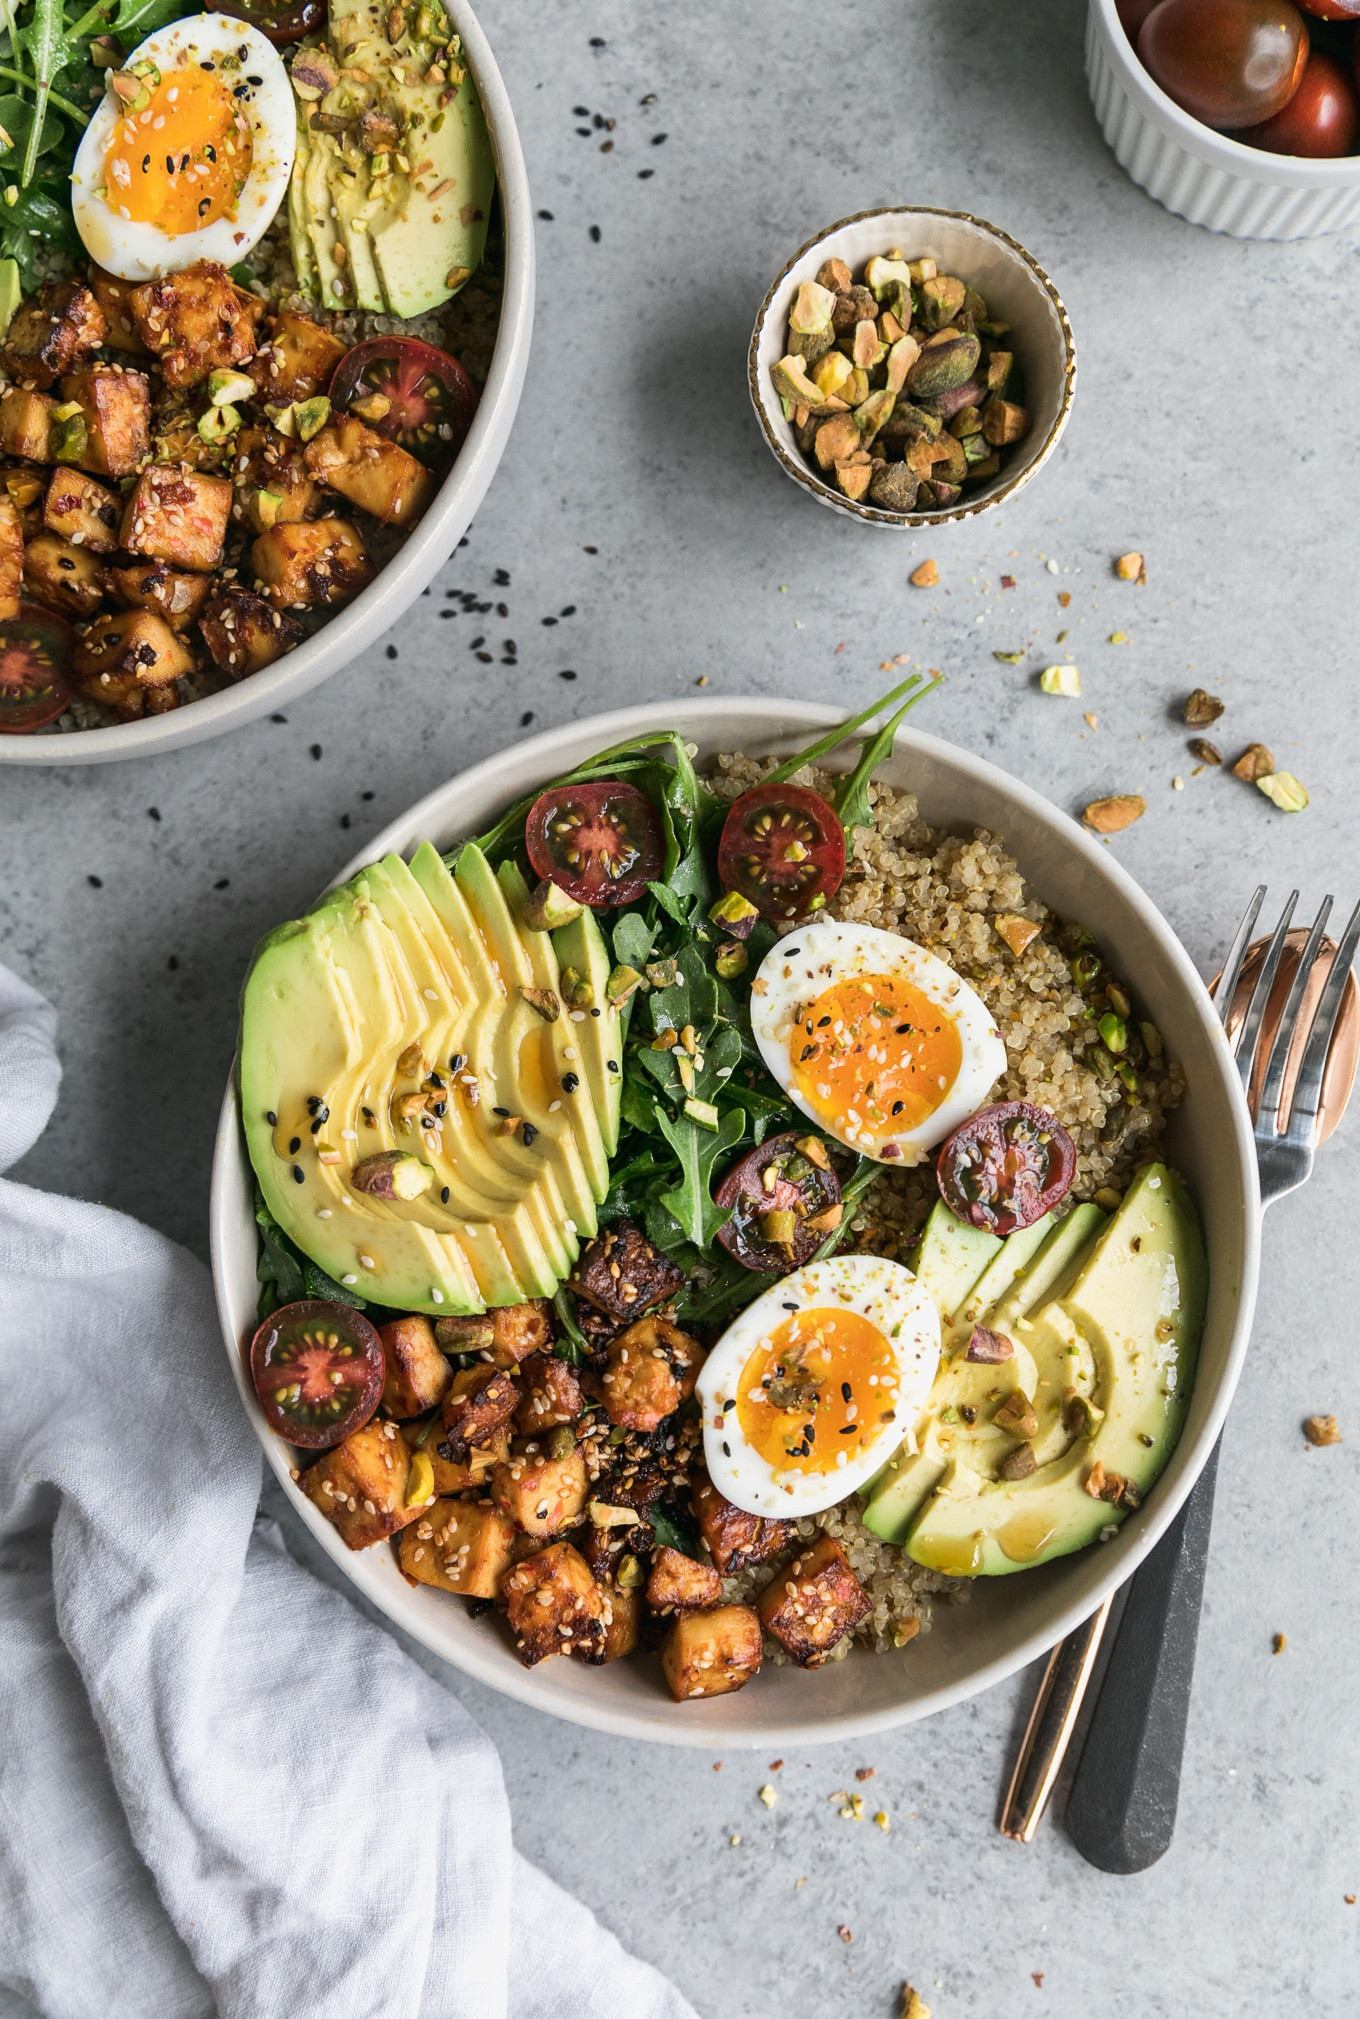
column 35, row 658
column 1132, row 14
column 281, row 21
column 778, row 1191
column 318, row 1371
column 1331, row 10
column 1229, row 63
column 783, row 848
column 600, row 843
column 410, row 392
column 1006, row 1167
column 1321, row 119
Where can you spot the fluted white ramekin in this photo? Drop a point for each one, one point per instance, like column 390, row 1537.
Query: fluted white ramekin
column 1207, row 177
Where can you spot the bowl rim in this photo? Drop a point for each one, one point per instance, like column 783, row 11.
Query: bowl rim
column 397, row 584
column 874, row 515
column 786, row 718
column 1234, row 157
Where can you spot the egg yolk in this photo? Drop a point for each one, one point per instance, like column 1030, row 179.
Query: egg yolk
column 817, row 1389
column 873, row 1056
column 182, row 161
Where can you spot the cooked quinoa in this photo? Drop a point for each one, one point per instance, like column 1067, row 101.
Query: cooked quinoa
column 946, row 891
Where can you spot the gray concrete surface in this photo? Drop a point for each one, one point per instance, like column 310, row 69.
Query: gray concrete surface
column 1215, row 428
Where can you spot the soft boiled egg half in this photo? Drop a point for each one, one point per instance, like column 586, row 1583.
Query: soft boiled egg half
column 877, row 1041
column 816, row 1384
column 189, row 152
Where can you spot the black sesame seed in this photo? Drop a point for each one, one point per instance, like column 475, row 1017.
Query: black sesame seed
column 657, row 139
column 611, row 1065
column 153, row 813
column 822, row 1023
column 502, row 1112
column 444, row 1195
column 295, row 1146
column 476, row 643
column 457, row 1061
column 790, row 1307
column 271, row 1118
column 846, row 1392
column 95, row 882
column 298, row 1178
column 570, row 1083
column 898, row 1106
column 590, row 550
column 550, row 621
column 594, row 234
column 645, row 174
column 566, row 676
column 848, row 1429
column 526, row 718
column 502, row 609
column 530, row 1134
column 317, row 1126
column 727, row 1450
column 316, row 750
column 547, row 217
column 502, row 578
column 567, row 610
column 730, row 1403
column 485, row 658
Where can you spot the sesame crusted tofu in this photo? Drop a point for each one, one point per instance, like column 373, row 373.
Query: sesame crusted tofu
column 195, row 322
column 623, row 1629
column 555, row 1606
column 361, row 1485
column 541, row 1494
column 460, row 1546
column 379, row 476
column 736, row 1539
column 243, row 633
column 812, row 1604
column 171, row 592
column 677, row 1581
column 297, row 361
column 11, row 561
column 103, row 422
column 507, row 1334
column 417, row 1376
column 711, row 1652
column 552, row 1395
column 300, row 565
column 82, row 511
column 479, row 1401
column 26, row 424
column 622, row 1274
column 67, row 579
column 131, row 662
column 61, row 325
column 178, row 516
column 651, row 1371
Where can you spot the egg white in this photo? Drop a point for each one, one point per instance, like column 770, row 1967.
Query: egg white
column 136, row 251
column 814, row 958
column 883, row 1292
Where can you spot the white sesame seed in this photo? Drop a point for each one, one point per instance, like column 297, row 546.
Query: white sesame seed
column 367, row 1262
column 436, row 1295
column 349, row 1279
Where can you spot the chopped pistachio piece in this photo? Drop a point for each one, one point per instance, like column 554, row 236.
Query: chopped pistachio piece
column 1061, row 680
column 1254, row 764
column 1201, row 708
column 1113, row 815
column 1284, row 789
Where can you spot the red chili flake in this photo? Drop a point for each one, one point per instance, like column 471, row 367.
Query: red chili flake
column 1038, row 1977
column 1008, row 581
column 775, row 1765
column 844, row 1933
column 1064, row 599
column 865, row 1773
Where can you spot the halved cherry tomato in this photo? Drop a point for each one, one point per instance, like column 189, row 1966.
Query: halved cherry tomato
column 35, row 658
column 600, row 843
column 318, row 1371
column 1320, row 121
column 283, row 21
column 1006, row 1167
column 783, row 848
column 778, row 1190
column 410, row 392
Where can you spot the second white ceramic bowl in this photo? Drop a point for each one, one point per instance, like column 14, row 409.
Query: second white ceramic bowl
column 1007, row 1621
column 1206, row 177
column 424, row 553
column 1014, row 284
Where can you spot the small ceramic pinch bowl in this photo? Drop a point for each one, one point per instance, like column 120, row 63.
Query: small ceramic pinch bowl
column 1016, row 288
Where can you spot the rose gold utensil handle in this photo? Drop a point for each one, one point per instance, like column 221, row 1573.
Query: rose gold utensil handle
column 1050, row 1726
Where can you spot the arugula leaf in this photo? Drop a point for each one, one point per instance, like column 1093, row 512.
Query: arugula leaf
column 672, row 905
column 852, row 798
column 730, row 1289
column 575, row 1344
column 841, row 733
column 697, row 1151
column 632, row 937
column 278, row 1266
column 671, row 1530
column 48, row 48
column 637, row 1105
column 865, row 1171
column 134, row 20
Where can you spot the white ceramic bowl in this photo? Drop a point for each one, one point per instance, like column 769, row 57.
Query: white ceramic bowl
column 1206, row 177
column 1006, row 1621
column 1014, row 284
column 422, row 555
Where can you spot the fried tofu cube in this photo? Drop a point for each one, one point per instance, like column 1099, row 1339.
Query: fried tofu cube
column 297, row 361
column 623, row 1630
column 11, row 561
column 478, row 1401
column 736, row 1539
column 26, row 489
column 243, row 633
column 623, row 1274
column 552, row 1395
column 271, row 481
column 810, row 1605
column 154, row 585
column 26, row 424
column 82, row 511
column 196, row 321
column 555, row 1606
column 323, row 562
column 178, row 516
column 677, row 1581
column 416, row 1374
column 114, row 431
column 458, row 1546
column 509, row 1333
column 541, row 1494
column 126, row 660
column 710, row 1652
column 61, row 325
column 652, row 1370
column 70, row 580
column 361, row 1485
column 378, row 476
column 466, row 1475
column 112, row 294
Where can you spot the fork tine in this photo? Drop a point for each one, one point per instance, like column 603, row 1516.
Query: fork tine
column 1260, row 995
column 1237, row 953
column 1308, row 1091
column 1268, row 1105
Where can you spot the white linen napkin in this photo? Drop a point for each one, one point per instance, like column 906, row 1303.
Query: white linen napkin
column 222, row 1791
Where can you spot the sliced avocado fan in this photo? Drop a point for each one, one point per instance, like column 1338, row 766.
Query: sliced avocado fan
column 420, row 1111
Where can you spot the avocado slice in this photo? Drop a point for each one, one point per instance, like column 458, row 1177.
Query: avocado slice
column 951, row 1257
column 1011, row 1258
column 1136, row 1307
column 581, row 945
column 1043, row 1275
